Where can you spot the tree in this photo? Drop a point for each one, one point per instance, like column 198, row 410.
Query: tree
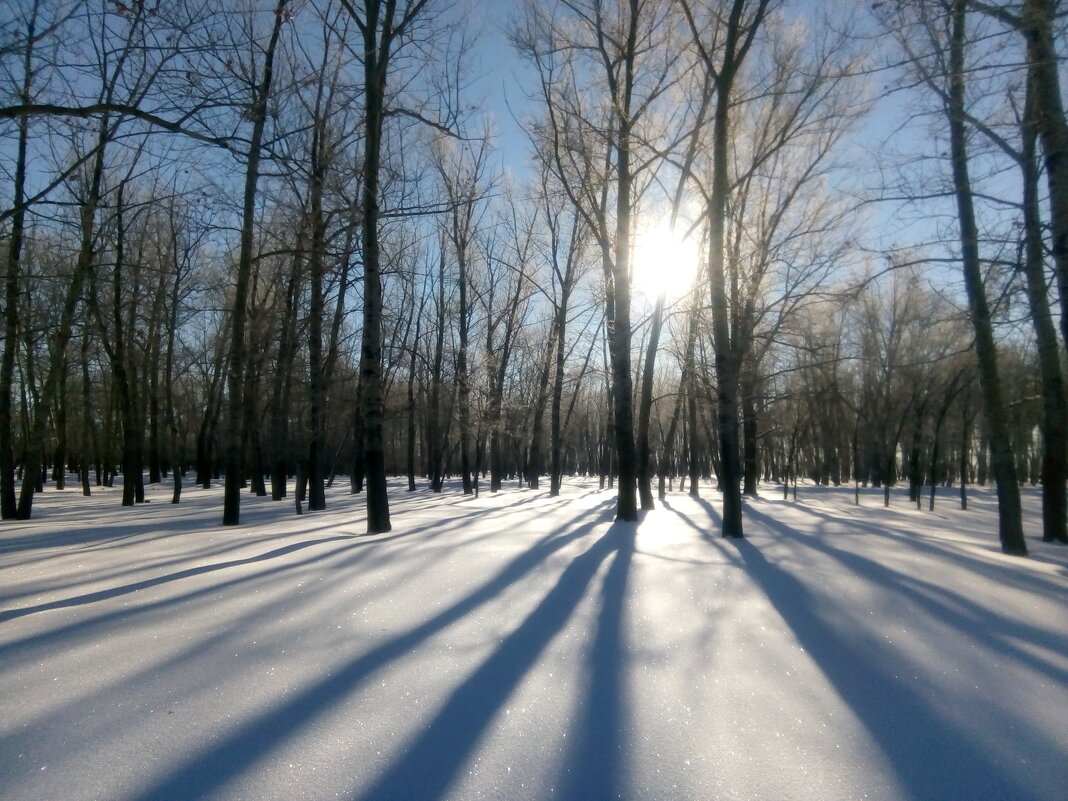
column 384, row 27
column 12, row 278
column 723, row 61
column 1034, row 20
column 236, row 365
column 601, row 70
column 935, row 40
column 461, row 168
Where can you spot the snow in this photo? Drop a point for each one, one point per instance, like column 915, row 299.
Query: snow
column 517, row 646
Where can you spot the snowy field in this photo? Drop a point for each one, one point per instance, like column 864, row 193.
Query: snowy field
column 521, row 647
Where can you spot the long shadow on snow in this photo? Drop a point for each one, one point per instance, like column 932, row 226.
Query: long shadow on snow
column 113, row 592
column 71, row 633
column 435, row 529
column 429, row 764
column 597, row 754
column 1000, row 634
column 349, row 555
column 227, row 756
column 931, row 757
column 995, row 572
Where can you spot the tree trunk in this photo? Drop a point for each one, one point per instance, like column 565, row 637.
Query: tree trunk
column 750, row 431
column 1037, row 25
column 1054, row 425
column 411, row 433
column 378, row 44
column 619, row 336
column 1002, row 462
column 174, row 445
column 316, row 368
column 282, row 384
column 693, row 440
column 669, row 459
column 645, row 408
column 463, row 381
column 12, row 279
column 535, row 462
column 238, row 346
column 726, row 350
column 61, row 338
column 85, row 443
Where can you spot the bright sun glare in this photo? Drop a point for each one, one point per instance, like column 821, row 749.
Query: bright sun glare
column 663, row 261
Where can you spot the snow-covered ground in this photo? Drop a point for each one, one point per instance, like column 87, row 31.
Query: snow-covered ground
column 518, row 647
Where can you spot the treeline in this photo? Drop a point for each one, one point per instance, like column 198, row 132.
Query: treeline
column 269, row 243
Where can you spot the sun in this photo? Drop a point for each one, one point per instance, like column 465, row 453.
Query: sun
column 664, row 261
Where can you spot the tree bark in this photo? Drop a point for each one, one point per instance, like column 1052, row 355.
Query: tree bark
column 316, row 368
column 645, row 409
column 1036, row 24
column 12, row 280
column 1054, row 426
column 738, row 38
column 57, row 366
column 1010, row 523
column 378, row 32
column 238, row 346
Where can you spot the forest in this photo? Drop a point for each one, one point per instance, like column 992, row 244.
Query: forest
column 280, row 245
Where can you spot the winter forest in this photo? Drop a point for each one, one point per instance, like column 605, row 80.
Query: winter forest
column 401, row 264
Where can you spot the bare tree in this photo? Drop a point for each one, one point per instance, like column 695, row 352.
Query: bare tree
column 722, row 45
column 602, row 67
column 936, row 39
column 257, row 112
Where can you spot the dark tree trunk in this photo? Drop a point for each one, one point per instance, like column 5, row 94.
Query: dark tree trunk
column 59, row 458
column 965, row 447
column 282, row 381
column 85, row 445
column 738, row 38
column 556, row 432
column 12, row 279
column 645, row 409
column 619, row 338
column 669, row 460
column 57, row 367
column 209, row 422
column 1037, row 25
column 1004, row 468
column 750, row 431
column 152, row 358
column 535, row 462
column 378, row 39
column 694, row 440
column 174, row 446
column 436, row 436
column 463, row 383
column 1054, row 425
column 316, row 368
column 122, row 368
column 411, row 433
column 238, row 346
column 252, row 443
column 359, row 467
column 935, row 439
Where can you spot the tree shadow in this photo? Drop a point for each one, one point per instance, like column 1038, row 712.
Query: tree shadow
column 597, row 751
column 430, row 763
column 920, row 542
column 126, row 589
column 932, row 757
column 227, row 756
column 432, row 529
column 996, row 631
